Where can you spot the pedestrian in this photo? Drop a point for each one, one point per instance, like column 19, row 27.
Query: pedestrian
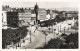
column 16, row 46
column 23, row 41
column 42, row 30
column 71, row 32
column 36, row 27
column 68, row 28
column 75, row 29
column 34, row 31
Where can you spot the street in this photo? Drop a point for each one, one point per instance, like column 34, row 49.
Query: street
column 38, row 37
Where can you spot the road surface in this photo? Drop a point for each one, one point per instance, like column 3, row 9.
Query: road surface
column 38, row 38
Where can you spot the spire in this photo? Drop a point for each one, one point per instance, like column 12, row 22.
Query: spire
column 36, row 7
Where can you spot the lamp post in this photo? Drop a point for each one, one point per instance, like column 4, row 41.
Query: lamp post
column 45, row 38
column 30, row 36
column 68, row 28
column 64, row 30
column 20, row 39
column 54, row 33
column 30, row 32
column 49, row 26
column 60, row 28
column 52, row 28
column 58, row 32
column 19, row 44
column 6, row 45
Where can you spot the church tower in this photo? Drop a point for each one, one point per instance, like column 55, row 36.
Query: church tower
column 36, row 9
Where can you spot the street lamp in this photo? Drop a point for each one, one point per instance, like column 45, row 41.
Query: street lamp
column 64, row 30
column 60, row 28
column 30, row 32
column 30, row 36
column 49, row 25
column 52, row 28
column 68, row 28
column 45, row 38
column 6, row 45
column 58, row 32
column 54, row 33
column 20, row 39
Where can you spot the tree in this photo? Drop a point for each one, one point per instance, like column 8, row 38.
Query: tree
column 53, row 44
column 72, row 40
column 11, row 35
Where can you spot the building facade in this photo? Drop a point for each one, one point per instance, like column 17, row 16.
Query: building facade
column 54, row 14
column 24, row 17
column 4, row 18
column 33, row 18
column 62, row 14
column 72, row 14
column 6, row 8
column 12, row 19
column 42, row 14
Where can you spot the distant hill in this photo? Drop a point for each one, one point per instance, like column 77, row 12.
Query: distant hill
column 64, row 9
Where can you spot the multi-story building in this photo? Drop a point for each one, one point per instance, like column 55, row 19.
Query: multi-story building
column 51, row 14
column 24, row 17
column 6, row 8
column 13, row 10
column 33, row 18
column 12, row 19
column 47, row 16
column 54, row 14
column 48, row 11
column 42, row 14
column 62, row 14
column 4, row 18
column 72, row 14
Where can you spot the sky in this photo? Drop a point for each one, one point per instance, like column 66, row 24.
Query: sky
column 57, row 5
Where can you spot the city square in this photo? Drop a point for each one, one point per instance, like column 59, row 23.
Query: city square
column 39, row 28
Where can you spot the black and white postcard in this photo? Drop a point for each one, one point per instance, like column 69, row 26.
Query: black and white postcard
column 40, row 25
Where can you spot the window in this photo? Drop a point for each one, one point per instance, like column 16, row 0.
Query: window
column 13, row 18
